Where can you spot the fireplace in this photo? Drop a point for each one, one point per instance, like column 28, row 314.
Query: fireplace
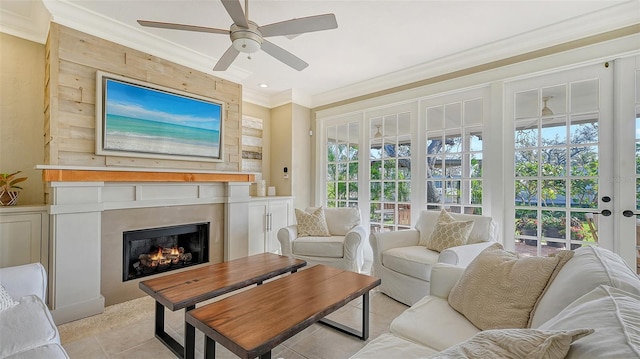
column 157, row 250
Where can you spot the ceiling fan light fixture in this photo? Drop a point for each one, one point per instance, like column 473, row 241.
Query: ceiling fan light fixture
column 546, row 111
column 246, row 45
column 378, row 133
column 247, row 40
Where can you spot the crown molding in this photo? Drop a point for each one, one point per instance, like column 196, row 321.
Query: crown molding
column 290, row 96
column 70, row 15
column 30, row 21
column 256, row 97
column 277, row 99
column 612, row 18
column 33, row 25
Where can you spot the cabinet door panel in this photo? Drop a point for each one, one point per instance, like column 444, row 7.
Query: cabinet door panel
column 257, row 227
column 280, row 214
column 20, row 239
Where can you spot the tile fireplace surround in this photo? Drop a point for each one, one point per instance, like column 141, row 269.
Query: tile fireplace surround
column 80, row 196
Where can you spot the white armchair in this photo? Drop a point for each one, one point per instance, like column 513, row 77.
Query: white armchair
column 404, row 264
column 27, row 329
column 343, row 249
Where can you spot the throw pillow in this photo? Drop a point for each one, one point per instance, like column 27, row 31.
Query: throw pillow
column 312, row 224
column 449, row 234
column 590, row 267
column 613, row 313
column 515, row 344
column 426, row 223
column 499, row 290
column 6, row 301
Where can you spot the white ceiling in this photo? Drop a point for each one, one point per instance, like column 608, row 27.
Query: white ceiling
column 378, row 43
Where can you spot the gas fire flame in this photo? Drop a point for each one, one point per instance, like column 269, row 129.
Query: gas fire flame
column 160, row 255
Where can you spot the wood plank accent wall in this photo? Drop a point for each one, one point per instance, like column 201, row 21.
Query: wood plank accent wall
column 252, row 135
column 72, row 59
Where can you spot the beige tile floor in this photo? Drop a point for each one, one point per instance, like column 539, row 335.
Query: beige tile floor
column 315, row 342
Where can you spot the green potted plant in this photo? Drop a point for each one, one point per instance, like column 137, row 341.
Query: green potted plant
column 527, row 227
column 9, row 190
column 551, row 226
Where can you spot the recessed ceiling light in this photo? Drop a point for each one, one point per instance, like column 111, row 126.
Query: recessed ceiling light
column 263, row 85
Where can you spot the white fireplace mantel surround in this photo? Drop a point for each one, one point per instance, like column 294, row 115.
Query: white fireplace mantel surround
column 75, row 217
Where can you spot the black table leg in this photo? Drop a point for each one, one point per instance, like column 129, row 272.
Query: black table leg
column 189, row 337
column 365, row 316
column 163, row 336
column 266, row 355
column 209, row 348
column 364, row 334
column 159, row 318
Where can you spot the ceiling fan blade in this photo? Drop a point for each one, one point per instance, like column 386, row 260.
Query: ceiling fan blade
column 235, row 11
column 301, row 25
column 226, row 59
column 168, row 25
column 283, row 55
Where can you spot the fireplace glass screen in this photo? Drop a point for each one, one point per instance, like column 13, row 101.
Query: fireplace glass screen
column 156, row 250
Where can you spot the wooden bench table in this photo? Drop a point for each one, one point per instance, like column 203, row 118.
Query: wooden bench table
column 186, row 289
column 253, row 322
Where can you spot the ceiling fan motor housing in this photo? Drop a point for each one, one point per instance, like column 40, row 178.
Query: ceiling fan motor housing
column 248, row 40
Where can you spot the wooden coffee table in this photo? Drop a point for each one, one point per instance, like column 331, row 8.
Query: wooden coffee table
column 186, row 289
column 253, row 322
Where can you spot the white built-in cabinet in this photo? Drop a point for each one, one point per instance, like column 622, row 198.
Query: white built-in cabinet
column 24, row 235
column 266, row 216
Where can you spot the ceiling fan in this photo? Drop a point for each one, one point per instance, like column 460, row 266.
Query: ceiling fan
column 246, row 36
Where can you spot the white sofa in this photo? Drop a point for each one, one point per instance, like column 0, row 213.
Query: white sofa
column 595, row 289
column 402, row 262
column 27, row 330
column 342, row 249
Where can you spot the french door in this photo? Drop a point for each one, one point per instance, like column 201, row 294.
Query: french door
column 574, row 177
column 627, row 145
column 560, row 178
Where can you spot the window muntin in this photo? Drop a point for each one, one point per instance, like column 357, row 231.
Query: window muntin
column 342, row 165
column 453, row 158
column 390, row 174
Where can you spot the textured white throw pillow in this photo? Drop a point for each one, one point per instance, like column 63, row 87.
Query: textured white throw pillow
column 590, row 267
column 515, row 344
column 615, row 316
column 312, row 224
column 6, row 301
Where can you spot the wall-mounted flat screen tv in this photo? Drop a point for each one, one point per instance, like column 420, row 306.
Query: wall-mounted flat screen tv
column 139, row 119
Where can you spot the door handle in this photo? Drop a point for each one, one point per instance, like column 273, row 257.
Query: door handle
column 605, row 212
column 629, row 213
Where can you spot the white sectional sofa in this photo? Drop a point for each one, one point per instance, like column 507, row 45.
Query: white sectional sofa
column 402, row 262
column 595, row 290
column 27, row 330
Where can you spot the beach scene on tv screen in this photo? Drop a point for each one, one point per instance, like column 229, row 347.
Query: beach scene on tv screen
column 141, row 119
